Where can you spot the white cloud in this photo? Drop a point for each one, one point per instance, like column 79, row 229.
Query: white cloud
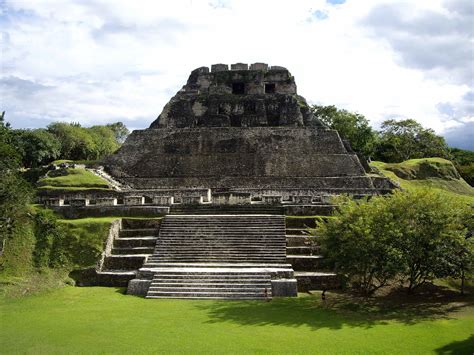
column 107, row 60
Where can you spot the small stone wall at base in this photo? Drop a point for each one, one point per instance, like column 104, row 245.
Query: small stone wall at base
column 284, row 288
column 138, row 287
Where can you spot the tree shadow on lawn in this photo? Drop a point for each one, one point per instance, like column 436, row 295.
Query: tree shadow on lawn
column 458, row 347
column 342, row 309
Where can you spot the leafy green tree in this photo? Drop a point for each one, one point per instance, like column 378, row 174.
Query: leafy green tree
column 414, row 236
column 104, row 140
column 120, row 131
column 464, row 161
column 359, row 241
column 431, row 230
column 37, row 147
column 353, row 127
column 407, row 139
column 81, row 143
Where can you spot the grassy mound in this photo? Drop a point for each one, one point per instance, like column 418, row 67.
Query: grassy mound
column 434, row 173
column 72, row 179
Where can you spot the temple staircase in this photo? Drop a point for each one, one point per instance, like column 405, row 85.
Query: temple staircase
column 216, row 257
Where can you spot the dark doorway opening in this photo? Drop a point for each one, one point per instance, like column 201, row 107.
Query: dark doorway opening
column 273, row 120
column 269, row 88
column 236, row 121
column 238, row 88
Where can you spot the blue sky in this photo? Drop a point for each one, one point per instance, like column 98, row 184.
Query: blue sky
column 101, row 61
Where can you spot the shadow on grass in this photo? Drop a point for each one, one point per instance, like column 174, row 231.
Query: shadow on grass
column 341, row 309
column 458, row 347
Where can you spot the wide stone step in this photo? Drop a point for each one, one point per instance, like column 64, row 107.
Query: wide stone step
column 116, row 278
column 213, row 276
column 135, row 242
column 316, row 280
column 305, row 250
column 144, row 232
column 209, row 296
column 140, row 223
column 208, row 287
column 304, row 262
column 263, row 251
column 220, row 268
column 124, row 262
column 224, row 231
column 298, row 240
column 211, row 259
column 238, row 294
column 134, row 250
column 297, row 231
column 209, row 281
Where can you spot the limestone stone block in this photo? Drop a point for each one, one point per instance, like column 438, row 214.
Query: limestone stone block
column 302, row 199
column 271, row 200
column 239, row 199
column 106, row 201
column 219, row 67
column 79, row 202
column 133, row 200
column 239, row 66
column 191, row 200
column 54, row 202
column 138, row 287
column 259, row 66
column 284, row 288
column 163, row 200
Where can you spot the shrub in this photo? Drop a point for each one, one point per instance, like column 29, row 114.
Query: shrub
column 412, row 236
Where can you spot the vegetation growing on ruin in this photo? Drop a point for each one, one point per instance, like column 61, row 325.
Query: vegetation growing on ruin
column 72, row 179
column 96, row 319
column 434, row 173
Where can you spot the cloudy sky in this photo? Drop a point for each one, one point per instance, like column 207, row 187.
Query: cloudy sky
column 99, row 61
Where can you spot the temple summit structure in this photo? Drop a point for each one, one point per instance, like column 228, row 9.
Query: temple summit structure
column 241, row 135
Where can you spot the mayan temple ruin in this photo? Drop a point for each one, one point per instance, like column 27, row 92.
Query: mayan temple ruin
column 231, row 154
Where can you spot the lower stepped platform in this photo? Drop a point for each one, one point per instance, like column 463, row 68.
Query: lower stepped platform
column 209, row 209
column 302, row 253
column 209, row 284
column 129, row 248
column 217, row 257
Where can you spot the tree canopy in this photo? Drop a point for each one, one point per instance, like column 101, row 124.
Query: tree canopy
column 353, row 127
column 411, row 236
column 407, row 139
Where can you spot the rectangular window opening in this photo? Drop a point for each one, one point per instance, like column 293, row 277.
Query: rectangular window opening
column 238, row 88
column 269, row 88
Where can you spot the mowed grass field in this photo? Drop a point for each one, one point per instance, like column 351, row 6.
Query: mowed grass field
column 94, row 320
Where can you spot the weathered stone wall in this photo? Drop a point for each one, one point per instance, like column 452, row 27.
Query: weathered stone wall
column 239, row 97
column 233, row 157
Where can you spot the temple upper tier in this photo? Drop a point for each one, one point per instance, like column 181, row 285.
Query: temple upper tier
column 242, row 96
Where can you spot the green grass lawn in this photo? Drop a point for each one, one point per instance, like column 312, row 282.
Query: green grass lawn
column 103, row 320
column 76, row 179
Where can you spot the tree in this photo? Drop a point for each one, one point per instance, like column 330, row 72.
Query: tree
column 37, row 147
column 414, row 236
column 120, row 131
column 104, row 140
column 359, row 241
column 81, row 143
column 353, row 127
column 464, row 162
column 407, row 139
